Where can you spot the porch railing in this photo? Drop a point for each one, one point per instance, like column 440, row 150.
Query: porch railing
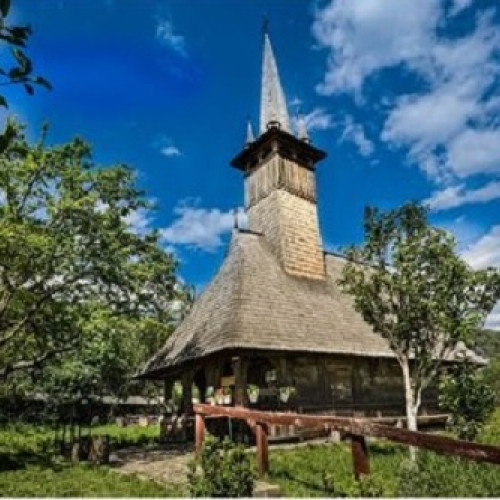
column 353, row 428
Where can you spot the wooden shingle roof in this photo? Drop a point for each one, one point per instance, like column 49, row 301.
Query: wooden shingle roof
column 253, row 303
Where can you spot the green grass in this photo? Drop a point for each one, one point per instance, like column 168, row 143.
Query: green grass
column 29, row 469
column 26, row 443
column 78, row 481
column 326, row 470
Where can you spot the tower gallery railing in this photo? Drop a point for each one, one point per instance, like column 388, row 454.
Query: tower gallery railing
column 353, row 428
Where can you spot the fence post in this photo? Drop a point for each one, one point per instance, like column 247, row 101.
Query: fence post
column 262, row 448
column 200, row 432
column 360, row 458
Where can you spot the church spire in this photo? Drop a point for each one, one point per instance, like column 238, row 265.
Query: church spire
column 272, row 101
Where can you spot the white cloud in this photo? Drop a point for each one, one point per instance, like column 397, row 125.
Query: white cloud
column 485, row 251
column 166, row 146
column 166, row 34
column 170, row 151
column 475, row 151
column 139, row 221
column 465, row 232
column 355, row 133
column 365, row 36
column 451, row 128
column 456, row 196
column 295, row 103
column 317, row 119
column 197, row 227
column 458, row 6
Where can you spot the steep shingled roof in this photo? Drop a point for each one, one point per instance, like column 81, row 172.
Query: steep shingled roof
column 252, row 303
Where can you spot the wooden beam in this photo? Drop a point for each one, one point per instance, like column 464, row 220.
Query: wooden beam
column 360, row 458
column 438, row 444
column 199, row 433
column 262, row 448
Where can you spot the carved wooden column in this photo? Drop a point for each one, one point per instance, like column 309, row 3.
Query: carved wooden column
column 240, row 381
column 168, row 385
column 187, row 396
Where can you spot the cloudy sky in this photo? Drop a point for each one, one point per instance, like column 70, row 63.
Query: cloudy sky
column 404, row 96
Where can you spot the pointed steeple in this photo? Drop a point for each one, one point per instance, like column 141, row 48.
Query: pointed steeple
column 250, row 137
column 272, row 100
column 302, row 129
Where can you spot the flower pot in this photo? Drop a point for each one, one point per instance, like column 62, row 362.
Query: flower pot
column 284, row 396
column 195, row 401
column 253, row 398
column 227, row 399
column 219, row 400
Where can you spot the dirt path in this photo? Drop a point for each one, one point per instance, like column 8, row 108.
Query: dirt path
column 166, row 466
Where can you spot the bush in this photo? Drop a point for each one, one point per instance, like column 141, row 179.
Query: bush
column 223, row 470
column 470, row 401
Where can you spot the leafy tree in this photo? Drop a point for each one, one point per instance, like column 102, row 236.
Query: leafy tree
column 22, row 72
column 417, row 293
column 464, row 393
column 72, row 272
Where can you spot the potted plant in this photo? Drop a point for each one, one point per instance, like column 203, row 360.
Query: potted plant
column 227, row 398
column 195, row 398
column 210, row 395
column 219, row 396
column 253, row 393
column 286, row 392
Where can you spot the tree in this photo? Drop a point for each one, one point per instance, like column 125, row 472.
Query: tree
column 464, row 393
column 22, row 72
column 417, row 293
column 72, row 271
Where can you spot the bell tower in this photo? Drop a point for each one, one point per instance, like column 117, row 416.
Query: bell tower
column 279, row 177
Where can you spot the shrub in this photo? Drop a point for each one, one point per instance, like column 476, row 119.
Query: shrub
column 470, row 401
column 223, row 470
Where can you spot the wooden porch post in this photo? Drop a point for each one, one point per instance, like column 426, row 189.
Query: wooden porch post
column 200, row 433
column 360, row 458
column 187, row 396
column 168, row 386
column 262, row 448
column 240, row 381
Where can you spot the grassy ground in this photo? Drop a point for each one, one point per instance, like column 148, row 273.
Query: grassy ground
column 64, row 480
column 318, row 471
column 28, row 468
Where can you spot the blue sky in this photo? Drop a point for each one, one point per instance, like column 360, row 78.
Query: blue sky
column 404, row 96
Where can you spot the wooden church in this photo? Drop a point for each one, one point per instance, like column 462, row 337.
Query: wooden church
column 273, row 330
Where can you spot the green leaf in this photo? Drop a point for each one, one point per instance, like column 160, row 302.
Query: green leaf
column 29, row 88
column 4, row 7
column 3, row 102
column 43, row 82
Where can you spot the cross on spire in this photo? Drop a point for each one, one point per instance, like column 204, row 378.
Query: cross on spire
column 272, row 101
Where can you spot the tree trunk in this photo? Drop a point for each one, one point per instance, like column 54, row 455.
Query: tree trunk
column 412, row 399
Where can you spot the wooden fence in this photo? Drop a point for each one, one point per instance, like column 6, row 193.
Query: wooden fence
column 353, row 428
